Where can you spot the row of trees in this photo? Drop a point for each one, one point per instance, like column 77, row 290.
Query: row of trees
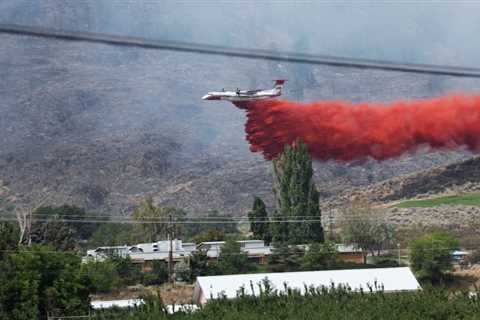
column 66, row 227
column 318, row 303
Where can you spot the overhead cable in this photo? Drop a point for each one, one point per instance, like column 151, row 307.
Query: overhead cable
column 198, row 48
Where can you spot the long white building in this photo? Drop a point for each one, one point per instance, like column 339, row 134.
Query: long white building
column 386, row 279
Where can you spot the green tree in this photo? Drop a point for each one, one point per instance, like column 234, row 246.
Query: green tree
column 182, row 271
column 129, row 272
column 320, row 256
column 69, row 294
column 81, row 231
column 431, row 255
column 19, row 294
column 160, row 269
column 362, row 234
column 366, row 231
column 199, row 264
column 149, row 231
column 297, row 198
column 219, row 222
column 54, row 232
column 210, row 235
column 8, row 238
column 103, row 276
column 39, row 281
column 147, row 212
column 285, row 258
column 112, row 234
column 232, row 260
column 258, row 218
column 158, row 275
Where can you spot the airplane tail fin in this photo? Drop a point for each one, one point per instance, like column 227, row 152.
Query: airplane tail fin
column 278, row 85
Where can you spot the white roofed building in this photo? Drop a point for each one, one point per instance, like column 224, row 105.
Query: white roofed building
column 102, row 253
column 255, row 249
column 107, row 304
column 386, row 279
column 144, row 252
column 159, row 250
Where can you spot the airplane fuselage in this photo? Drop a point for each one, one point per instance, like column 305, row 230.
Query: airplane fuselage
column 240, row 96
column 246, row 95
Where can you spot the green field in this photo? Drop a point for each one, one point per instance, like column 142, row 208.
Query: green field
column 467, row 199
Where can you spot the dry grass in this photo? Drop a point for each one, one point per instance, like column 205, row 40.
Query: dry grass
column 178, row 294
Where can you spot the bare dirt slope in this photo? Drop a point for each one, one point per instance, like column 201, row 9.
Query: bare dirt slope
column 452, row 179
column 461, row 176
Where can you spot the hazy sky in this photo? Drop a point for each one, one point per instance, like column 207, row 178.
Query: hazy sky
column 410, row 31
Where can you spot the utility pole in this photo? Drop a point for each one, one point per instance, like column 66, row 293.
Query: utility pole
column 398, row 248
column 330, row 220
column 170, row 251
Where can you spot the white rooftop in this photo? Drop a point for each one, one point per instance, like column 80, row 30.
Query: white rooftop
column 106, row 304
column 391, row 279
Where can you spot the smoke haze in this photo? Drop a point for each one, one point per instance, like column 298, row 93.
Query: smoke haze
column 413, row 31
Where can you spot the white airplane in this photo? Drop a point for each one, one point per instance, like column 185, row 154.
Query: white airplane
column 246, row 95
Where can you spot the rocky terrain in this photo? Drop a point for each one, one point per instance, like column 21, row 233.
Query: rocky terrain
column 451, row 179
column 457, row 177
column 103, row 127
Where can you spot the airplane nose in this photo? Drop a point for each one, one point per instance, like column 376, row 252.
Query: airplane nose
column 210, row 97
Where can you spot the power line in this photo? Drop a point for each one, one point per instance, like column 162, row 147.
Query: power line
column 199, row 220
column 103, row 218
column 349, row 216
column 166, row 222
column 285, row 56
column 227, row 219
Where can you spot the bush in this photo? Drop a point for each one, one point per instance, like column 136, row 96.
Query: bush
column 182, row 272
column 111, row 234
column 320, row 256
column 385, row 262
column 8, row 238
column 158, row 275
column 232, row 260
column 103, row 276
column 210, row 235
column 150, row 279
column 431, row 255
column 199, row 264
column 285, row 258
column 129, row 272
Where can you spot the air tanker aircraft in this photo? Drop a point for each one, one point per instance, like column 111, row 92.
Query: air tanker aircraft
column 246, row 95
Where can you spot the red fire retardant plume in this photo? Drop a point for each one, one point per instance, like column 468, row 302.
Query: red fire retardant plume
column 349, row 132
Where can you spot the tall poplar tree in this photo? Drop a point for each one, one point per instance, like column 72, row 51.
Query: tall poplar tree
column 297, row 198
